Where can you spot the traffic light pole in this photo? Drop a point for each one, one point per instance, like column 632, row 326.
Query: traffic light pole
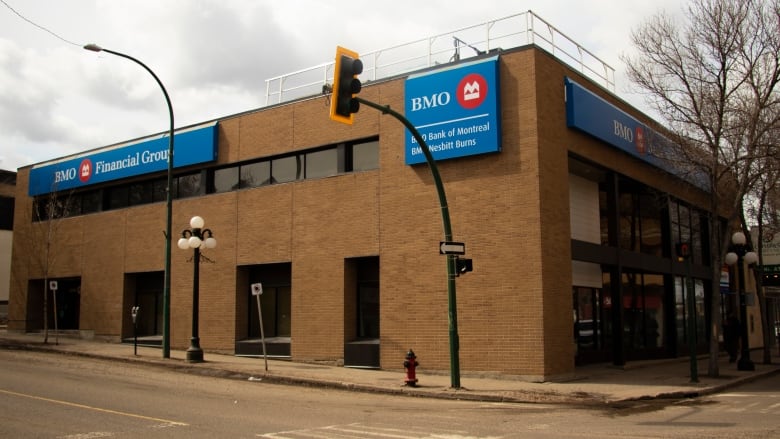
column 445, row 217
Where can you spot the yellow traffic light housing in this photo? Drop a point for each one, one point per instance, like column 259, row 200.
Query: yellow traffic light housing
column 346, row 85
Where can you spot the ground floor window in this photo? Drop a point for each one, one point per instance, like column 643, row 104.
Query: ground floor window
column 275, row 304
column 62, row 305
column 643, row 311
column 588, row 319
column 683, row 314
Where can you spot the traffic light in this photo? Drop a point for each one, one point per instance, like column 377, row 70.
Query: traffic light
column 683, row 250
column 345, row 85
column 463, row 266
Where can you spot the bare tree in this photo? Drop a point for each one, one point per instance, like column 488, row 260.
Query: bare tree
column 47, row 212
column 713, row 79
column 764, row 211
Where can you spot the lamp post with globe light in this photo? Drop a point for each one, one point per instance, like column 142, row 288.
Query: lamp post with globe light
column 741, row 254
column 196, row 237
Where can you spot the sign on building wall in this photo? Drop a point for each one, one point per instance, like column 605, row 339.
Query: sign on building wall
column 456, row 111
column 591, row 114
column 197, row 145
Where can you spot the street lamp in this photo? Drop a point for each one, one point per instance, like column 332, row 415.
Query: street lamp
column 740, row 253
column 166, row 342
column 196, row 238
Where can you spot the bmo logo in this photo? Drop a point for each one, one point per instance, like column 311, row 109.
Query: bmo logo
column 85, row 170
column 471, row 93
column 472, row 90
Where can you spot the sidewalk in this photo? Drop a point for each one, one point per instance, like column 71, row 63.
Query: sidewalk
column 593, row 384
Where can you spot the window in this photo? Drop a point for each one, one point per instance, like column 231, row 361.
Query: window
column 286, row 169
column 160, row 189
column 188, row 185
column 255, row 174
column 141, row 193
column 226, row 179
column 652, row 238
column 365, row 156
column 322, row 163
column 640, row 210
column 688, row 226
column 91, row 202
column 6, row 213
column 117, row 197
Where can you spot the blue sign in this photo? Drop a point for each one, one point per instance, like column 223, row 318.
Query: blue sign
column 591, row 114
column 193, row 146
column 456, row 111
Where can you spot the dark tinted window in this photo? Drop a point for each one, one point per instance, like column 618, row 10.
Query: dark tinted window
column 226, row 179
column 255, row 174
column 188, row 185
column 365, row 156
column 286, row 169
column 322, row 163
column 6, row 213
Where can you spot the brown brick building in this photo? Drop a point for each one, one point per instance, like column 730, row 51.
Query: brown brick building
column 563, row 227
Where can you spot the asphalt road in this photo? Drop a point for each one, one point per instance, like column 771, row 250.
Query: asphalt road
column 52, row 395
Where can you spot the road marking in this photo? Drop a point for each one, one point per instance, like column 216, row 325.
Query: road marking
column 363, row 431
column 96, row 409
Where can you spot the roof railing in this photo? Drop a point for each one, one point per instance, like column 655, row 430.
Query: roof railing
column 518, row 30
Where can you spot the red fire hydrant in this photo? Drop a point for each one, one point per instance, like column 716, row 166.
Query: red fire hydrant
column 410, row 364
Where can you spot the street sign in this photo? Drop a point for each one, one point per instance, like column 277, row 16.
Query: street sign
column 452, row 248
column 257, row 289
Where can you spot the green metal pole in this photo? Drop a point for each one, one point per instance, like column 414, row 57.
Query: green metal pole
column 445, row 217
column 166, row 344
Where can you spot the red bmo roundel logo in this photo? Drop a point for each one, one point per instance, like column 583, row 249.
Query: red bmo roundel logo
column 472, row 91
column 85, row 170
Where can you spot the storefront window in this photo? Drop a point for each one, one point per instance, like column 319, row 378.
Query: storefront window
column 643, row 308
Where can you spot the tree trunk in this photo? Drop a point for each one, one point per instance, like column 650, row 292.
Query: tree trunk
column 713, row 370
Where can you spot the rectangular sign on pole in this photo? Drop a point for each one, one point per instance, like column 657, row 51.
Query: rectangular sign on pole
column 257, row 291
column 452, row 248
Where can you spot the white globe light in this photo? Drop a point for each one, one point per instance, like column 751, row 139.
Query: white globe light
column 194, row 242
column 738, row 238
column 210, row 242
column 751, row 258
column 183, row 243
column 197, row 222
column 731, row 258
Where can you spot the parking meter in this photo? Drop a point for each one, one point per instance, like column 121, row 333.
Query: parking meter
column 134, row 313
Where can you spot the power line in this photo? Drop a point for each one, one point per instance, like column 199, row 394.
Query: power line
column 35, row 24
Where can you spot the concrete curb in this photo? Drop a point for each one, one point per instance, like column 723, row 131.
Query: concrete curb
column 225, row 371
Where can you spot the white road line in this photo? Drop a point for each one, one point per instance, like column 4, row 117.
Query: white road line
column 96, row 409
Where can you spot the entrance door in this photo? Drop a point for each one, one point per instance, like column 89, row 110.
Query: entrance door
column 276, row 307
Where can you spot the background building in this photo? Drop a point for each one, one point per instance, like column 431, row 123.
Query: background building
column 7, row 191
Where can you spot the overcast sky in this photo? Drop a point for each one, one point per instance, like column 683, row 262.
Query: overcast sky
column 213, row 56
